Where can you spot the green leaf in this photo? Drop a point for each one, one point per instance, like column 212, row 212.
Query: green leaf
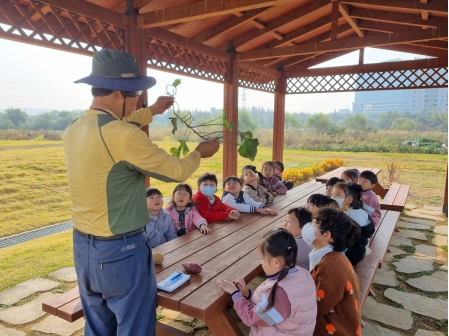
column 183, row 147
column 245, row 135
column 176, row 82
column 175, row 124
column 248, row 148
column 226, row 123
column 175, row 152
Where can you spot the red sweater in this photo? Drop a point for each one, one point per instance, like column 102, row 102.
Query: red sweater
column 211, row 212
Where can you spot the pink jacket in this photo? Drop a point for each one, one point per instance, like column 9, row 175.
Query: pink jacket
column 273, row 184
column 300, row 289
column 372, row 206
column 192, row 219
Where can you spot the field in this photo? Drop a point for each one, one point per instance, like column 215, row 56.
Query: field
column 34, row 193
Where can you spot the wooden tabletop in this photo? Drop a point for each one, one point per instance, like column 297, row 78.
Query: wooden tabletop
column 337, row 172
column 229, row 252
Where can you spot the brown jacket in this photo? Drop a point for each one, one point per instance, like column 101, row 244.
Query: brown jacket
column 255, row 194
column 337, row 294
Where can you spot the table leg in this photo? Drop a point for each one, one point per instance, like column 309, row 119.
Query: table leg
column 223, row 324
column 379, row 190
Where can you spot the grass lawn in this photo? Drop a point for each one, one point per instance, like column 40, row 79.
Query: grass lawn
column 34, row 193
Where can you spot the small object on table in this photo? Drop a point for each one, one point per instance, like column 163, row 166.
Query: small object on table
column 192, row 267
column 158, row 258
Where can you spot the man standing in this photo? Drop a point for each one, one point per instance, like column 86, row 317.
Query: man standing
column 108, row 157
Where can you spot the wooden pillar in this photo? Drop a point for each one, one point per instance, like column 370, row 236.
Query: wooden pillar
column 279, row 119
column 361, row 56
column 136, row 45
column 445, row 195
column 334, row 17
column 231, row 107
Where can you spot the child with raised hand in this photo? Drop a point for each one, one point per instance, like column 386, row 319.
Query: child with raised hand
column 330, row 185
column 209, row 206
column 367, row 181
column 253, row 188
column 337, row 285
column 294, row 221
column 184, row 213
column 350, row 175
column 285, row 303
column 236, row 198
column 349, row 197
column 271, row 182
column 160, row 229
column 317, row 201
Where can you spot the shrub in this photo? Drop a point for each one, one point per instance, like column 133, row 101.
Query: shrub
column 299, row 176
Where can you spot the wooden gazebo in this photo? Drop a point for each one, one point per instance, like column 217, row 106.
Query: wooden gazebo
column 258, row 44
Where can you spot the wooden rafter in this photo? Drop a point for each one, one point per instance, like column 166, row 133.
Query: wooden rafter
column 396, row 18
column 432, row 44
column 415, row 49
column 344, row 10
column 334, row 20
column 208, row 36
column 349, row 44
column 439, row 6
column 375, row 67
column 201, row 9
column 317, row 59
column 383, row 27
column 272, row 26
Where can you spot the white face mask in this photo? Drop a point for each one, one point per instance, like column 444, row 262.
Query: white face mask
column 308, row 233
column 339, row 201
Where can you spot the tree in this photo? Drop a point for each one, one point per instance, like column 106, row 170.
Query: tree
column 245, row 122
column 356, row 122
column 403, row 124
column 443, row 118
column 319, row 122
column 16, row 115
column 291, row 122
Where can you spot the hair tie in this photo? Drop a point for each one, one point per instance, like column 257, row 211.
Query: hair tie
column 289, row 248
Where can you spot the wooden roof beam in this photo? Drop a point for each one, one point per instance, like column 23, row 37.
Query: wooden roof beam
column 415, row 49
column 228, row 25
column 317, row 59
column 272, row 26
column 200, row 10
column 396, row 18
column 382, row 27
column 375, row 67
column 349, row 44
column 166, row 36
column 344, row 10
column 433, row 44
column 439, row 6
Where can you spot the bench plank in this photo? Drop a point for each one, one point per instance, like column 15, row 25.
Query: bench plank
column 396, row 197
column 51, row 306
column 366, row 270
column 379, row 246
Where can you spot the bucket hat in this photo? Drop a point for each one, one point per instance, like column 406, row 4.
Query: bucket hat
column 116, row 70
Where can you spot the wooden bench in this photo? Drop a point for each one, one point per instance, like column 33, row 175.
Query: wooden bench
column 229, row 252
column 396, row 197
column 380, row 240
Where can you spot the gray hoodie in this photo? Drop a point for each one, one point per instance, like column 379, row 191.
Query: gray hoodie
column 160, row 229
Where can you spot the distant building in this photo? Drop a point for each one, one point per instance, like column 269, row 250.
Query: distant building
column 427, row 99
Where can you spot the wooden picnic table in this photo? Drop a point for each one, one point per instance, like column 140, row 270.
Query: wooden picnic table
column 229, row 252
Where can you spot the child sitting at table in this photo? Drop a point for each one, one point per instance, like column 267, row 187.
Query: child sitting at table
column 184, row 213
column 367, row 181
column 350, row 199
column 253, row 188
column 270, row 182
column 317, row 201
column 337, row 285
column 209, row 206
column 294, row 221
column 330, row 184
column 236, row 198
column 160, row 229
column 278, row 170
column 285, row 303
column 350, row 175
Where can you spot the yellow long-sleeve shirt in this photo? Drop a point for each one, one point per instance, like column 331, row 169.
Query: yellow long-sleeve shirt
column 107, row 160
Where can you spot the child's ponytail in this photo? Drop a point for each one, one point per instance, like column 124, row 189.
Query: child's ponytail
column 279, row 243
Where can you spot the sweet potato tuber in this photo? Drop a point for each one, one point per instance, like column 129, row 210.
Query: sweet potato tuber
column 192, row 267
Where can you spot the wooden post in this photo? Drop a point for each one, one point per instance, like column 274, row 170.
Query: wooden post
column 279, row 119
column 231, row 108
column 136, row 45
column 361, row 55
column 334, row 17
column 445, row 195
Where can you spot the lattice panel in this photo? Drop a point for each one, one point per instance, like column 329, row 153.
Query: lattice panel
column 173, row 58
column 39, row 23
column 257, row 80
column 388, row 80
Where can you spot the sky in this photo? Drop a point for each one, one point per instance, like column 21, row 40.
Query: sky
column 42, row 78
